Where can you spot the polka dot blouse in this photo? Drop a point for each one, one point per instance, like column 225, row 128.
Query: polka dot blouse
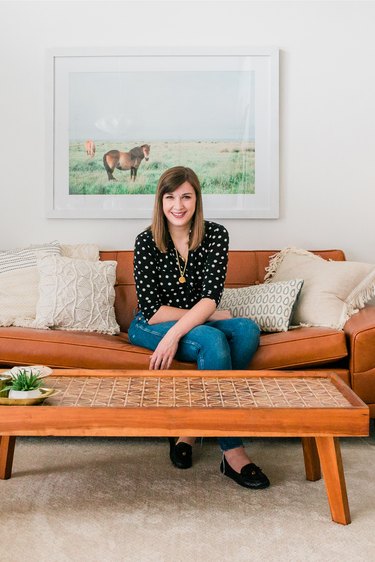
column 156, row 274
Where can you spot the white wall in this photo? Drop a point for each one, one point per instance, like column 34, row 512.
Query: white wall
column 327, row 117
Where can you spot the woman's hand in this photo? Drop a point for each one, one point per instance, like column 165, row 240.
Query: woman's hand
column 188, row 319
column 164, row 353
column 220, row 315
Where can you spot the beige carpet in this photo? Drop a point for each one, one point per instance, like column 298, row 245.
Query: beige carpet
column 86, row 499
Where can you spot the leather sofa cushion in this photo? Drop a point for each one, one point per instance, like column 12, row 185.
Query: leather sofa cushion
column 299, row 348
column 58, row 348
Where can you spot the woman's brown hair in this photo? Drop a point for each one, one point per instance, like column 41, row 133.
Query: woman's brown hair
column 169, row 182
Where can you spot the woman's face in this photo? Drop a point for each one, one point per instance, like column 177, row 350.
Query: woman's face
column 179, row 206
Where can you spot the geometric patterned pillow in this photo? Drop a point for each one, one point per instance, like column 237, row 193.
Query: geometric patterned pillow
column 270, row 305
column 76, row 294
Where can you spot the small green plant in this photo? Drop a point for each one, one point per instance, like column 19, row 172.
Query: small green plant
column 25, row 381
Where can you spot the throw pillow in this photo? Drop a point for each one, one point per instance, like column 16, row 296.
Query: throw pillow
column 269, row 305
column 80, row 251
column 76, row 295
column 332, row 290
column 19, row 281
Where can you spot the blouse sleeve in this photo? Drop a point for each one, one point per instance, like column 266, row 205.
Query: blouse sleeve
column 215, row 268
column 146, row 275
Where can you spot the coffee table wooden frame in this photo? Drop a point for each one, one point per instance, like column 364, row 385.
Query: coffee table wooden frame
column 319, row 428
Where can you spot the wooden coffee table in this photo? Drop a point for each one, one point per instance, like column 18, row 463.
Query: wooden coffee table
column 314, row 406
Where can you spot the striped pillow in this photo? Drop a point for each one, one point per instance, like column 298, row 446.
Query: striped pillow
column 13, row 260
column 19, row 283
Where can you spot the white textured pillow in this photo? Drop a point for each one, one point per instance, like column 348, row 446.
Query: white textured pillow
column 76, row 295
column 269, row 305
column 80, row 251
column 19, row 281
column 332, row 290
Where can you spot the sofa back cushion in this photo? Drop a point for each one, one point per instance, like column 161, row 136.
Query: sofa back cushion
column 245, row 267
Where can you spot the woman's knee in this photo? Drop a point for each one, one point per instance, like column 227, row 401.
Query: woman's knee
column 208, row 336
column 247, row 328
column 209, row 340
column 213, row 351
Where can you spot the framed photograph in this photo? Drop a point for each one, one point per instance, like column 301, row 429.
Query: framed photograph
column 117, row 119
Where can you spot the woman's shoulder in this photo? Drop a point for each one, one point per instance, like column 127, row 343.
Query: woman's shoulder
column 214, row 229
column 145, row 238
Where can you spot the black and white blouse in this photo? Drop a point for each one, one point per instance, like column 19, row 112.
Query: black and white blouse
column 157, row 274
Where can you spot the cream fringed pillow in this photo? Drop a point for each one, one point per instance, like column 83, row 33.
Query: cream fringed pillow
column 76, row 295
column 80, row 251
column 269, row 305
column 19, row 281
column 332, row 291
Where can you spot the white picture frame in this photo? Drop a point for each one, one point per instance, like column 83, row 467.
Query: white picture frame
column 215, row 110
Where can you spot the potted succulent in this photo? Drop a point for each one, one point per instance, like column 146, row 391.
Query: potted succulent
column 4, row 381
column 24, row 385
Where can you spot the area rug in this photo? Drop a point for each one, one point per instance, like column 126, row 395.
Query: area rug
column 120, row 499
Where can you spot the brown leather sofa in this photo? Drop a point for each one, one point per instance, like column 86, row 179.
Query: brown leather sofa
column 350, row 352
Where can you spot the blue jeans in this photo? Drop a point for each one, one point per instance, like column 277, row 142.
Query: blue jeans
column 218, row 345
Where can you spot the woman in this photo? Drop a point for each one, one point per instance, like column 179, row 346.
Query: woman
column 180, row 264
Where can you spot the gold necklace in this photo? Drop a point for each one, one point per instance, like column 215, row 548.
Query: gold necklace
column 182, row 278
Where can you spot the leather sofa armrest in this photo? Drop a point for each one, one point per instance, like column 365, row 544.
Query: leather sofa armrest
column 360, row 334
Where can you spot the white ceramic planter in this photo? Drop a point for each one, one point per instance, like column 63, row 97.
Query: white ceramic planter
column 22, row 394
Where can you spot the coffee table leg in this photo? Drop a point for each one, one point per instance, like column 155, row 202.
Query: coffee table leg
column 333, row 472
column 311, row 457
column 7, row 444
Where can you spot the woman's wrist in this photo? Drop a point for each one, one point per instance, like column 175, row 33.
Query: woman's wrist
column 175, row 333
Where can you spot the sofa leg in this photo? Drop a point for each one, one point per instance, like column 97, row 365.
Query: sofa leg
column 7, row 444
column 311, row 457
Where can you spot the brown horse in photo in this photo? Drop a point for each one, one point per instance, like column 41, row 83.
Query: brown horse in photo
column 90, row 148
column 125, row 160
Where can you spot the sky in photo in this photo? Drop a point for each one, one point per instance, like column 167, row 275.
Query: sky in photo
column 162, row 105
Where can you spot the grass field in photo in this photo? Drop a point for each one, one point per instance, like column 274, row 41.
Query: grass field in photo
column 222, row 167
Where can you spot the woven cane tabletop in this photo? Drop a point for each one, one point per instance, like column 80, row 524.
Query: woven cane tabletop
column 195, row 392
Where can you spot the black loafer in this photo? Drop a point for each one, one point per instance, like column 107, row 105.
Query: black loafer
column 181, row 454
column 251, row 476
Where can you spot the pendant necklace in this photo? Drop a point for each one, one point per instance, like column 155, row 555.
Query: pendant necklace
column 182, row 278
